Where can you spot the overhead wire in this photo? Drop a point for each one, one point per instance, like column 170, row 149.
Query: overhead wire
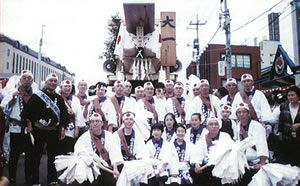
column 254, row 19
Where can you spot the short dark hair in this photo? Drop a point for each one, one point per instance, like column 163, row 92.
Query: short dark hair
column 101, row 83
column 157, row 126
column 181, row 126
column 294, row 89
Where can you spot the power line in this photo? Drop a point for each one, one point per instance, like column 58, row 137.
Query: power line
column 282, row 18
column 257, row 16
column 210, row 40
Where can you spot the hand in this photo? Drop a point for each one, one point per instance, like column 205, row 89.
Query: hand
column 161, row 170
column 116, row 174
column 258, row 166
column 76, row 133
column 62, row 134
column 29, row 127
column 198, row 170
column 295, row 127
column 15, row 94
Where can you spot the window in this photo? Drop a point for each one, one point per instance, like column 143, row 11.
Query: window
column 26, row 67
column 8, row 52
column 247, row 61
column 7, row 65
column 239, row 60
column 13, row 64
column 17, row 63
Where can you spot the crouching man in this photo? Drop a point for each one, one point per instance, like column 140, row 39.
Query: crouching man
column 103, row 144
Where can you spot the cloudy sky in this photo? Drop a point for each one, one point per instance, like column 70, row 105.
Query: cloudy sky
column 76, row 30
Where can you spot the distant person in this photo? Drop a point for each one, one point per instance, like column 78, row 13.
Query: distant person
column 169, row 86
column 139, row 93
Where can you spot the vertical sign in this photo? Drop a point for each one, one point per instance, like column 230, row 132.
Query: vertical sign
column 168, row 38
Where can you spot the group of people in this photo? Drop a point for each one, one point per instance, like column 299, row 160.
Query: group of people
column 160, row 123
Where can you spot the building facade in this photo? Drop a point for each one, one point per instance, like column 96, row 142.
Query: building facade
column 267, row 52
column 245, row 59
column 16, row 57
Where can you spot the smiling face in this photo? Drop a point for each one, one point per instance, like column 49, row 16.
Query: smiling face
column 66, row 89
column 128, row 123
column 180, row 133
column 156, row 133
column 51, row 84
column 169, row 121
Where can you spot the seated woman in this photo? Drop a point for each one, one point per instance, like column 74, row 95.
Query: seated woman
column 164, row 152
column 103, row 144
column 170, row 127
column 193, row 134
column 184, row 151
column 203, row 175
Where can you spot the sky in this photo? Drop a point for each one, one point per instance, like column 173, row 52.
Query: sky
column 75, row 30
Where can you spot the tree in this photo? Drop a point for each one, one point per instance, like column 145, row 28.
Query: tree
column 110, row 44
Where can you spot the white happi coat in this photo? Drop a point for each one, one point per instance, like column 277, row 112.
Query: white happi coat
column 167, row 154
column 142, row 115
column 13, row 111
column 201, row 151
column 185, row 164
column 164, row 136
column 260, row 104
column 223, row 100
column 259, row 134
column 170, row 107
column 196, row 107
column 107, row 108
column 139, row 149
column 188, row 135
column 84, row 144
column 76, row 108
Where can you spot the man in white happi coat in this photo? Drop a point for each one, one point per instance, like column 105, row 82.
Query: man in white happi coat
column 127, row 92
column 202, row 147
column 84, row 102
column 149, row 111
column 102, row 105
column 139, row 92
column 231, row 87
column 206, row 104
column 177, row 104
column 121, row 104
column 258, row 154
column 258, row 105
column 13, row 104
column 129, row 141
column 101, row 142
column 169, row 86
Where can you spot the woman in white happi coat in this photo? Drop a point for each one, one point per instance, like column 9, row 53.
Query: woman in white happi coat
column 170, row 128
column 129, row 141
column 103, row 144
column 166, row 153
column 258, row 154
column 202, row 147
column 197, row 129
column 184, row 150
column 74, row 110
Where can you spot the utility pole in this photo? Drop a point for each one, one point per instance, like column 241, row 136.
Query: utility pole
column 226, row 27
column 39, row 69
column 197, row 45
column 296, row 34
